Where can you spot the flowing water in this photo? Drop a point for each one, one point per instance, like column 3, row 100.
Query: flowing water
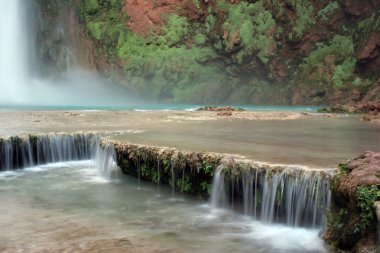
column 14, row 49
column 72, row 206
column 291, row 196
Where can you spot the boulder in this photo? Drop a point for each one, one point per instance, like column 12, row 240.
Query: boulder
column 352, row 218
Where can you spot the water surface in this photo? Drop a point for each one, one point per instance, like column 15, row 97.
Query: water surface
column 69, row 206
column 316, row 141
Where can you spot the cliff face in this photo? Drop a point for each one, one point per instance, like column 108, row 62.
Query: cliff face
column 264, row 51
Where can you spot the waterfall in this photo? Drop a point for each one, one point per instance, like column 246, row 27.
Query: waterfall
column 292, row 196
column 218, row 197
column 15, row 49
column 28, row 151
column 105, row 160
column 32, row 150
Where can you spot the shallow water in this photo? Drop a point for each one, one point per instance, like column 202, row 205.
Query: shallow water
column 70, row 206
column 154, row 107
column 316, row 141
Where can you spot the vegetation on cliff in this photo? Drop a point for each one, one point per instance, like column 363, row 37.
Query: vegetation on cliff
column 264, row 51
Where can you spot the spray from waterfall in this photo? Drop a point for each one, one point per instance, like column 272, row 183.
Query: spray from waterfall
column 21, row 81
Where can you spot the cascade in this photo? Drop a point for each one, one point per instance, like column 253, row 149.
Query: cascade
column 104, row 158
column 292, row 196
column 14, row 49
column 32, row 150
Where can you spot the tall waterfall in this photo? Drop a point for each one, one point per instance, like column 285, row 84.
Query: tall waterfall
column 291, row 196
column 14, row 50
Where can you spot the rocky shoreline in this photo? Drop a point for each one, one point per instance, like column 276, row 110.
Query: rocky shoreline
column 371, row 110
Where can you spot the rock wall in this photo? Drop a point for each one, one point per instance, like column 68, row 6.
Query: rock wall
column 353, row 222
column 284, row 52
column 254, row 52
column 62, row 43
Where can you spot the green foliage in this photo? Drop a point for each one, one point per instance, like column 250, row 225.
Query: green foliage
column 208, row 168
column 206, row 187
column 338, row 222
column 326, row 13
column 344, row 168
column 344, row 72
column 370, row 24
column 176, row 29
column 91, row 6
column 199, row 39
column 366, row 197
column 256, row 28
column 210, row 23
column 184, row 185
column 337, row 58
column 305, row 18
column 96, row 29
column 197, row 4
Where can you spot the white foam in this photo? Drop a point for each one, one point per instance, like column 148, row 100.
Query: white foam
column 6, row 174
column 286, row 238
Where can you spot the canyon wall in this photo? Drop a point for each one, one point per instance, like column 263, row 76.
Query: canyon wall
column 213, row 51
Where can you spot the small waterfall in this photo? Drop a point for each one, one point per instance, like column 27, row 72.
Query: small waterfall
column 218, row 194
column 105, row 160
column 32, row 150
column 158, row 176
column 21, row 152
column 291, row 196
column 173, row 179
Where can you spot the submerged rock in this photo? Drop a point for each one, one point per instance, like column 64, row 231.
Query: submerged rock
column 352, row 220
column 220, row 109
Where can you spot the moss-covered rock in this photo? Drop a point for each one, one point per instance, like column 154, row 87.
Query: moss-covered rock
column 352, row 216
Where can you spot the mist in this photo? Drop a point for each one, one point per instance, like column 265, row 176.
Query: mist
column 20, row 82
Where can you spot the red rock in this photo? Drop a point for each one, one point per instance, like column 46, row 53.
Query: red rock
column 370, row 48
column 374, row 93
column 357, row 7
column 149, row 15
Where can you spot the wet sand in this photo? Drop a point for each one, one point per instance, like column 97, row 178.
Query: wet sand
column 315, row 140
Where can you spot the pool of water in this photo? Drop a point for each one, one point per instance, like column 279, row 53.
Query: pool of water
column 316, row 141
column 69, row 206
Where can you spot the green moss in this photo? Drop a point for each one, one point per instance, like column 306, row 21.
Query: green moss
column 199, row 39
column 256, row 28
column 176, row 30
column 96, row 29
column 344, row 72
column 326, row 13
column 344, row 168
column 370, row 24
column 91, row 6
column 336, row 59
column 210, row 23
column 197, row 4
column 366, row 197
column 304, row 18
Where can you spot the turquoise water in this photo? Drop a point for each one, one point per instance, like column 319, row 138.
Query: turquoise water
column 153, row 107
